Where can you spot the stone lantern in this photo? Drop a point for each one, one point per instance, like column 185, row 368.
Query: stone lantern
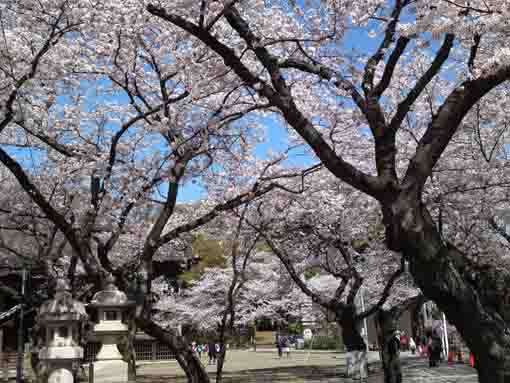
column 61, row 318
column 111, row 304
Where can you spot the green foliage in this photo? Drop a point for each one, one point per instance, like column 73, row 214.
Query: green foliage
column 360, row 245
column 262, row 247
column 311, row 272
column 210, row 253
column 265, row 324
column 295, row 329
column 319, row 342
column 190, row 276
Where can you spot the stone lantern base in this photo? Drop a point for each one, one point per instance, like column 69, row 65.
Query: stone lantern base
column 110, row 371
column 59, row 363
column 60, row 375
column 109, row 366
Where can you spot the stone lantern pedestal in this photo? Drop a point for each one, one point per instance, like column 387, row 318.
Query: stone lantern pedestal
column 110, row 304
column 61, row 318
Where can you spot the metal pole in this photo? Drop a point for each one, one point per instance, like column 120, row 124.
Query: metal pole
column 19, row 362
column 364, row 319
column 445, row 336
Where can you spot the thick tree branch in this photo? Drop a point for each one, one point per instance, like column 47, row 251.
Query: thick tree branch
column 57, row 218
column 385, row 294
column 405, row 105
column 326, row 73
column 283, row 100
column 375, row 59
column 445, row 124
column 50, row 141
column 292, row 271
column 474, row 51
column 499, row 229
column 390, row 66
column 54, row 37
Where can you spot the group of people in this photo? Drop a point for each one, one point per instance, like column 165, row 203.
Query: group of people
column 430, row 345
column 283, row 346
column 210, row 349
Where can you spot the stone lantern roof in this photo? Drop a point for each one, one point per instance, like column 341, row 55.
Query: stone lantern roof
column 63, row 307
column 111, row 296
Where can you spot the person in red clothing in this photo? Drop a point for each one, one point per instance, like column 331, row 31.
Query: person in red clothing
column 404, row 342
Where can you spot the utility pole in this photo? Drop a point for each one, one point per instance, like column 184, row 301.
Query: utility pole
column 19, row 362
column 445, row 337
column 365, row 329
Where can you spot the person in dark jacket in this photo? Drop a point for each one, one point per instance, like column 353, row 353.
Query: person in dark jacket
column 212, row 352
column 435, row 348
column 279, row 345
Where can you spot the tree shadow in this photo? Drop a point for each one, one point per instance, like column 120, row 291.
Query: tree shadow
column 294, row 374
column 308, row 374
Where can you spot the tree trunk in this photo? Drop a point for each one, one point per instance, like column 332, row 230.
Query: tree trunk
column 387, row 322
column 493, row 370
column 195, row 371
column 474, row 296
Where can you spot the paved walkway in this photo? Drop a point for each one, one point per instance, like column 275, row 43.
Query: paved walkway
column 301, row 367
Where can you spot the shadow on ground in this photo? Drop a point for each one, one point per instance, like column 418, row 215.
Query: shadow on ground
column 276, row 374
column 413, row 372
column 294, row 374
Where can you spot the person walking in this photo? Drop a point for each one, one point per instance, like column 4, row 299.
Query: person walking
column 403, row 341
column 286, row 347
column 412, row 345
column 279, row 345
column 212, row 352
column 199, row 350
column 435, row 348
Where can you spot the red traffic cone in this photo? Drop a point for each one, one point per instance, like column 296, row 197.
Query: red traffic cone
column 450, row 358
column 471, row 360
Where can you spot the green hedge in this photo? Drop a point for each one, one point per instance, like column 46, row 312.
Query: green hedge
column 324, row 343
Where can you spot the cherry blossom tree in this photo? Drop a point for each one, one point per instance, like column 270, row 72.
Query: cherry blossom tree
column 335, row 234
column 247, row 289
column 330, row 96
column 101, row 125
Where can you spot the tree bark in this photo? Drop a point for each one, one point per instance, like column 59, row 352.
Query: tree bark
column 195, row 371
column 387, row 323
column 473, row 296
